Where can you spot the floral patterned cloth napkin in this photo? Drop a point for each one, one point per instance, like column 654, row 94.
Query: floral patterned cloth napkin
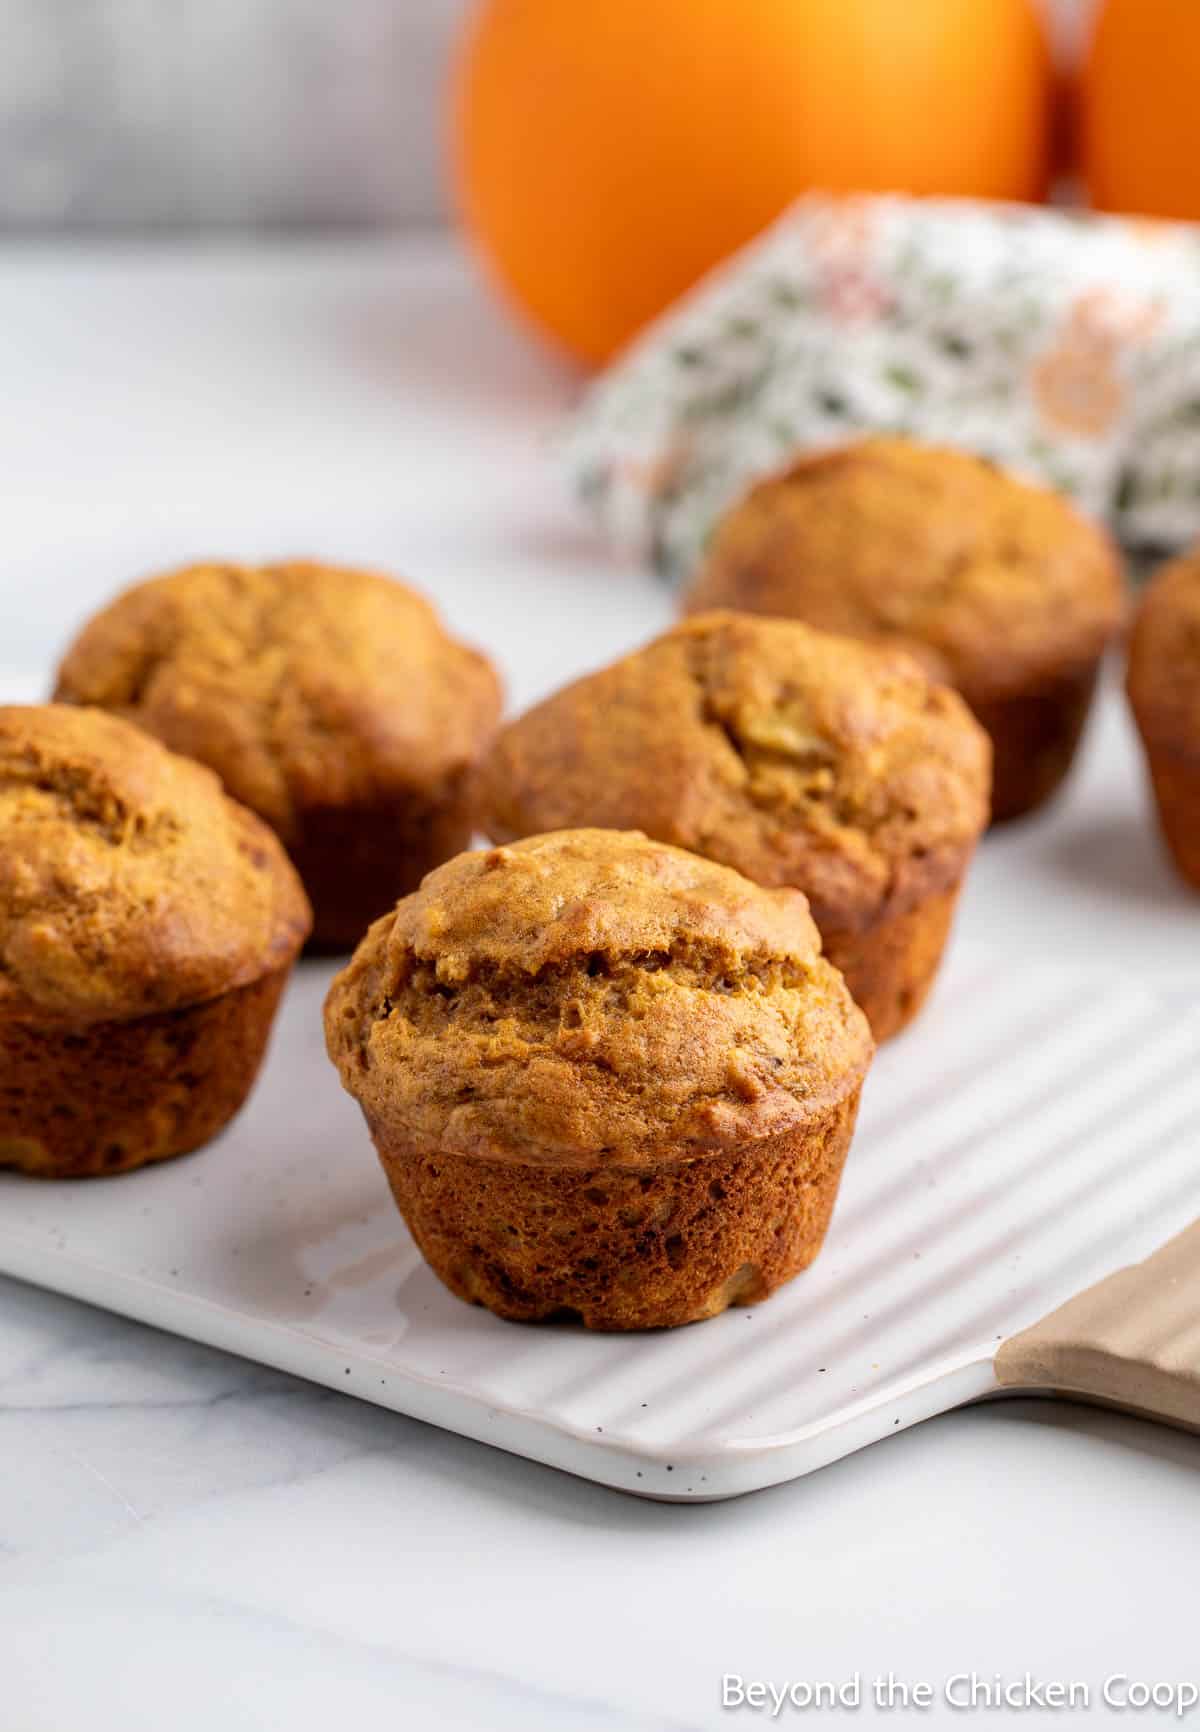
column 1064, row 345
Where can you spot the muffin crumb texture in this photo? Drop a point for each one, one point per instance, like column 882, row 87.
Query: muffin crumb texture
column 794, row 756
column 147, row 926
column 993, row 582
column 330, row 701
column 129, row 884
column 1163, row 682
column 107, row 1097
column 603, row 1076
column 1000, row 588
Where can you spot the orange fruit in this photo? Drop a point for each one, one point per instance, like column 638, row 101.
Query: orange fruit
column 608, row 152
column 1141, row 84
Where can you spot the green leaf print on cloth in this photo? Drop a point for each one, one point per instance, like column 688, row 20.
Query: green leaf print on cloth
column 1064, row 346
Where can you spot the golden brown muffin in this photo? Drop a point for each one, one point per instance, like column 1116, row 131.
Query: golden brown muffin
column 1001, row 589
column 1164, row 690
column 604, row 1077
column 331, row 702
column 147, row 926
column 797, row 757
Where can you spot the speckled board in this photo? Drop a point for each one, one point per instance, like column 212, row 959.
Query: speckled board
column 1036, row 1130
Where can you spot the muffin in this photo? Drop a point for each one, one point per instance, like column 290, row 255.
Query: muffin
column 147, row 926
column 330, row 702
column 1164, row 690
column 606, row 1079
column 797, row 757
column 999, row 588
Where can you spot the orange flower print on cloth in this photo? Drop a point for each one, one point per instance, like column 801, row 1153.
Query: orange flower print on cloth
column 1062, row 345
column 1079, row 385
column 848, row 288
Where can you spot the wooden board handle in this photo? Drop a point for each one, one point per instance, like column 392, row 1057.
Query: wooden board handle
column 1132, row 1340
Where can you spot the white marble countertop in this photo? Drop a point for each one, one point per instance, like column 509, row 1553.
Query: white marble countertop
column 188, row 1541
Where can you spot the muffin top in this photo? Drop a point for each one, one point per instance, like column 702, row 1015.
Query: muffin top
column 797, row 757
column 1164, row 655
column 129, row 883
column 992, row 582
column 300, row 684
column 592, row 996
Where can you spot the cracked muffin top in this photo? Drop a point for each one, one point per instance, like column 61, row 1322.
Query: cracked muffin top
column 797, row 757
column 991, row 582
column 592, row 996
column 129, row 883
column 1164, row 655
column 300, row 684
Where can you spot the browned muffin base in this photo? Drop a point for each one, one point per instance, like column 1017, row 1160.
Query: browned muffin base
column 1035, row 736
column 620, row 1247
column 1176, row 779
column 891, row 966
column 111, row 1096
column 357, row 861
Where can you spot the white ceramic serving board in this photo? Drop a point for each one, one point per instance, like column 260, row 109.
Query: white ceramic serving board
column 1037, row 1129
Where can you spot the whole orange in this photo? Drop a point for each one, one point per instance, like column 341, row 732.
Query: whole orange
column 608, row 152
column 1141, row 86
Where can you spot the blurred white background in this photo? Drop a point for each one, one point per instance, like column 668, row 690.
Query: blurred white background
column 222, row 111
column 130, row 112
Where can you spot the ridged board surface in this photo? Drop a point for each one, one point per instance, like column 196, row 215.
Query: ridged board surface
column 1036, row 1131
